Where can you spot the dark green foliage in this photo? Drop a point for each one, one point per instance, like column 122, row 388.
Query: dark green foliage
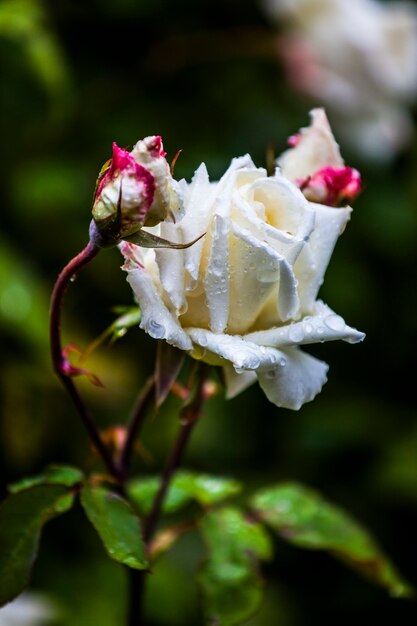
column 22, row 517
column 230, row 579
column 117, row 525
column 304, row 518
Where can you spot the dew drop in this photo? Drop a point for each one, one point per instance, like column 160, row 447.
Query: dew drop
column 270, row 374
column 296, row 333
column 335, row 322
column 157, row 331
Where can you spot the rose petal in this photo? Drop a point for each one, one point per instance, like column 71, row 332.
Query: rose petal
column 324, row 325
column 299, row 381
column 312, row 263
column 315, row 149
column 267, row 274
column 244, row 355
column 237, row 382
column 198, row 200
column 217, row 276
column 171, row 267
column 156, row 319
column 255, row 277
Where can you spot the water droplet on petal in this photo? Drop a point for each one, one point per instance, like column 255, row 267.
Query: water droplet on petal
column 296, row 333
column 157, row 331
column 308, row 328
column 335, row 322
column 270, row 374
column 283, row 362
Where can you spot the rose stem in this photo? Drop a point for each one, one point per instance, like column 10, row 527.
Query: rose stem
column 189, row 417
column 138, row 415
column 58, row 358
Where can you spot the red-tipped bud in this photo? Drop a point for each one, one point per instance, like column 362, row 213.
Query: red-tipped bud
column 134, row 189
column 332, row 185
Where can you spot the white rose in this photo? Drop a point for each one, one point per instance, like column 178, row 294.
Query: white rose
column 245, row 296
column 358, row 57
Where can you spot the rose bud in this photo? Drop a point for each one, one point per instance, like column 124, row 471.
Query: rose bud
column 134, row 189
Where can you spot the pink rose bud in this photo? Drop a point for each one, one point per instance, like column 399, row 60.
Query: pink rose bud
column 134, row 189
column 332, row 185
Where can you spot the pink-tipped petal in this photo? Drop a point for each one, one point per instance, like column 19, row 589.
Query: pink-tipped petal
column 332, row 185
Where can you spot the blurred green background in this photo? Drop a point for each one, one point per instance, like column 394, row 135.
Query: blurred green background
column 77, row 75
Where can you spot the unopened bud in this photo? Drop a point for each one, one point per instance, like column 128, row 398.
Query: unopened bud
column 332, row 185
column 134, row 189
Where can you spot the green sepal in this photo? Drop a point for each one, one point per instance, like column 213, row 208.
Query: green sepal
column 149, row 240
column 64, row 475
column 128, row 317
column 116, row 524
column 22, row 516
column 230, row 579
column 304, row 518
column 186, row 486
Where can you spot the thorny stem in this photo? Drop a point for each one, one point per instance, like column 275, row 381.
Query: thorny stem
column 189, row 418
column 59, row 360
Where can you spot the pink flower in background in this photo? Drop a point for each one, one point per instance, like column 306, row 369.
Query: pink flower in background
column 358, row 58
column 245, row 296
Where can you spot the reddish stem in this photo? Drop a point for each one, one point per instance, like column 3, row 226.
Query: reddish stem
column 59, row 360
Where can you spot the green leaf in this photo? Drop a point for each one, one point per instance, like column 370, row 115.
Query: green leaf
column 117, row 525
column 64, row 475
column 304, row 518
column 230, row 580
column 186, row 486
column 142, row 491
column 22, row 516
column 207, row 490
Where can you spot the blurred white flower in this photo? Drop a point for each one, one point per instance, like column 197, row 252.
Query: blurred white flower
column 358, row 58
column 29, row 609
column 245, row 296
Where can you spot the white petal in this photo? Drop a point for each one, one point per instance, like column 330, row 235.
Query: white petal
column 275, row 210
column 171, row 267
column 261, row 273
column 313, row 260
column 198, row 200
column 216, row 280
column 315, row 149
column 256, row 272
column 244, row 355
column 324, row 325
column 299, row 381
column 237, row 382
column 156, row 320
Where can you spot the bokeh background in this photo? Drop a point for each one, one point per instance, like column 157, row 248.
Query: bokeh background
column 77, row 75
